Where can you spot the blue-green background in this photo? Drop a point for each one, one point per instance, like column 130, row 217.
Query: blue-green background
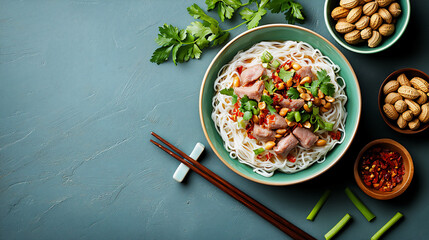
column 79, row 97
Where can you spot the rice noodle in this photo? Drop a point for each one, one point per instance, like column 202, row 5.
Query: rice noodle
column 235, row 139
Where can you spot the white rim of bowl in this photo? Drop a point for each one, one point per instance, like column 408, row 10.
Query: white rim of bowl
column 268, row 182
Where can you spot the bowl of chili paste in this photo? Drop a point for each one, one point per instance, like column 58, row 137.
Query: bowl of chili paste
column 383, row 169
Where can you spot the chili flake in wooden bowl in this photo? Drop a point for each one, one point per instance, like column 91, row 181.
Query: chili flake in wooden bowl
column 383, row 169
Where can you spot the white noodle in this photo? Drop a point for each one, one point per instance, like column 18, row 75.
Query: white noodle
column 235, row 139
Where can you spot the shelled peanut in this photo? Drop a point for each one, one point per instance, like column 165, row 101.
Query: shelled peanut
column 366, row 20
column 406, row 101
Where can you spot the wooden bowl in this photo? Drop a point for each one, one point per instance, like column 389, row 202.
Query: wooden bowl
column 410, row 73
column 408, row 169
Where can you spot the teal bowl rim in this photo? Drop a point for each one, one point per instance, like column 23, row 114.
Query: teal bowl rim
column 380, row 48
column 267, row 182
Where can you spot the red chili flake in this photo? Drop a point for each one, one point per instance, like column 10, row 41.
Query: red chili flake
column 291, row 158
column 271, row 118
column 240, row 69
column 249, row 129
column 277, row 79
column 288, row 62
column 335, row 135
column 296, row 77
column 269, row 155
column 277, row 98
column 262, row 116
column 381, row 169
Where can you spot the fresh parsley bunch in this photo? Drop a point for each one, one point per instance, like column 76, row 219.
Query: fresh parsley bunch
column 184, row 44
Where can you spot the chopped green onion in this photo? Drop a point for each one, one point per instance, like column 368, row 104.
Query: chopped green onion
column 258, row 151
column 310, row 104
column 337, row 227
column 266, row 65
column 297, row 116
column 328, row 126
column 291, row 116
column 359, row 205
column 266, row 57
column 313, row 119
column 275, row 64
column 241, row 122
column 316, row 111
column 386, row 226
column 247, row 115
column 305, row 116
column 319, row 205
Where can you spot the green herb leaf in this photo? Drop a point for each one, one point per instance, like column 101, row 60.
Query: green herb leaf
column 294, row 14
column 325, row 83
column 327, row 89
column 291, row 9
column 247, row 115
column 247, row 104
column 268, row 101
column 196, row 12
column 225, row 8
column 270, row 87
column 253, row 17
column 258, row 151
column 286, row 75
column 305, row 116
column 161, row 54
column 227, row 91
column 322, row 76
column 220, row 39
column 292, row 93
column 188, row 43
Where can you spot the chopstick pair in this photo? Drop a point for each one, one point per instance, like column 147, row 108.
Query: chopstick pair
column 276, row 220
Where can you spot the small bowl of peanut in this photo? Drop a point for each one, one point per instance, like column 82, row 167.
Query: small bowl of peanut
column 403, row 101
column 367, row 26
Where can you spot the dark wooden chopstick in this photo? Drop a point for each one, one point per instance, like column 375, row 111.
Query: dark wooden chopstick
column 260, row 209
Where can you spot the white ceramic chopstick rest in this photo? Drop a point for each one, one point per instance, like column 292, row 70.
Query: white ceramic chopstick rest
column 182, row 170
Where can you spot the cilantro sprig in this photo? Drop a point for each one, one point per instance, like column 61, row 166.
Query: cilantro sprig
column 292, row 93
column 268, row 102
column 185, row 44
column 291, row 9
column 323, row 83
column 270, row 86
column 248, row 107
column 225, row 8
column 230, row 92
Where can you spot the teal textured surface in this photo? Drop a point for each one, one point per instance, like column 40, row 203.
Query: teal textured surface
column 79, row 98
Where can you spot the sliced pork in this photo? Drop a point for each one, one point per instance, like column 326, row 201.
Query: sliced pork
column 253, row 92
column 251, row 74
column 293, row 104
column 278, row 122
column 285, row 145
column 263, row 134
column 306, row 137
column 305, row 72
